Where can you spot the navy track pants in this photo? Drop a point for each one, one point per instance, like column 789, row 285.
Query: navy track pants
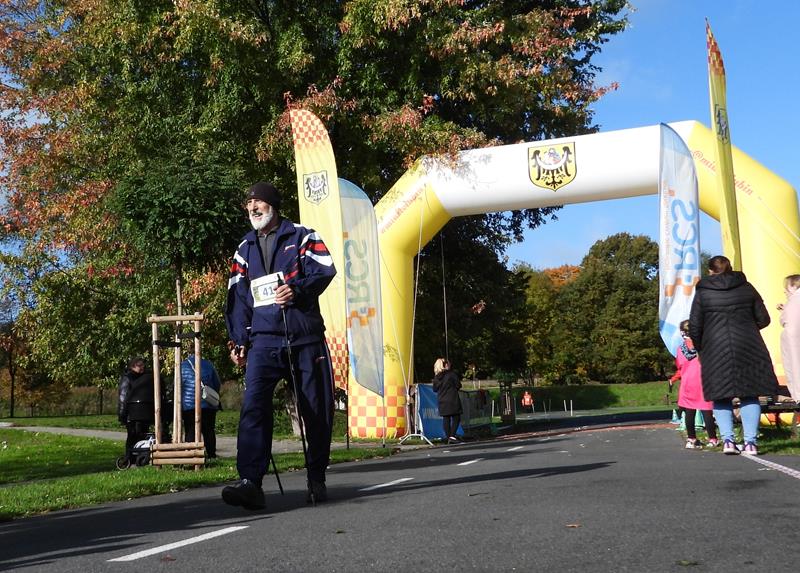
column 266, row 366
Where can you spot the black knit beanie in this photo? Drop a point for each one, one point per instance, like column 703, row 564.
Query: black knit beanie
column 265, row 191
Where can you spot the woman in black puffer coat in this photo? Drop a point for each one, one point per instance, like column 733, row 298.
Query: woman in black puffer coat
column 727, row 314
column 446, row 384
column 136, row 407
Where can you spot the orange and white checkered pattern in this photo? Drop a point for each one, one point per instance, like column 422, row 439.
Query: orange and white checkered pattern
column 715, row 64
column 366, row 411
column 337, row 346
column 307, row 129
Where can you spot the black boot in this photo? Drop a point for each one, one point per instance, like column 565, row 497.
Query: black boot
column 317, row 491
column 245, row 493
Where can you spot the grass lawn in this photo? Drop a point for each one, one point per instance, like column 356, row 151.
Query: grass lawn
column 227, row 423
column 46, row 472
column 92, row 422
column 773, row 440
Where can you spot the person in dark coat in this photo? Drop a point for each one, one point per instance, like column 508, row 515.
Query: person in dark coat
column 726, row 317
column 136, row 406
column 446, row 384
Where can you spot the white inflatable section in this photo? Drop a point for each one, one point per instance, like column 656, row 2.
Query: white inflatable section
column 607, row 165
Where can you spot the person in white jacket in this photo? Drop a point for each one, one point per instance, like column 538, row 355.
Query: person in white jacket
column 790, row 337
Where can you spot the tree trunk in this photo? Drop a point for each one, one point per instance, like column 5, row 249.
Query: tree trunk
column 12, row 376
column 177, row 428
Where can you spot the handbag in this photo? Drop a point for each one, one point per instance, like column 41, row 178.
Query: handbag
column 210, row 395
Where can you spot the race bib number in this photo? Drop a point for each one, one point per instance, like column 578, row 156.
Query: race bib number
column 263, row 289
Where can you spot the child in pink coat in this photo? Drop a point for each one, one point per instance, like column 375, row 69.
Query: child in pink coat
column 690, row 394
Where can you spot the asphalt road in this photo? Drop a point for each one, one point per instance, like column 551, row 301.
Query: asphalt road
column 626, row 499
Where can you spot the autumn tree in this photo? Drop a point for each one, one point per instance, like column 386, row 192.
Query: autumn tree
column 562, row 275
column 108, row 103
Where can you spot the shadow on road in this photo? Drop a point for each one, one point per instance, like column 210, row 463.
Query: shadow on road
column 45, row 539
column 456, row 454
column 354, row 494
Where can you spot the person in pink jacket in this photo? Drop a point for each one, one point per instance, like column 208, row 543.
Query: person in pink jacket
column 790, row 336
column 690, row 393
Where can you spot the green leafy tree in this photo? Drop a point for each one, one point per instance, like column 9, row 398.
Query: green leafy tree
column 485, row 313
column 180, row 212
column 609, row 329
column 106, row 103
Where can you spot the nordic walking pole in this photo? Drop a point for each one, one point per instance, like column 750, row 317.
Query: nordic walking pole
column 275, row 469
column 296, row 392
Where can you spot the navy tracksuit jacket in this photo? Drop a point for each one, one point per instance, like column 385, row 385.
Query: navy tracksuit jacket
column 253, row 320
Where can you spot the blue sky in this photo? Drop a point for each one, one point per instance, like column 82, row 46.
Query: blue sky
column 660, row 64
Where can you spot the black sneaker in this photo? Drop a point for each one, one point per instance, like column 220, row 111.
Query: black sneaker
column 317, row 491
column 245, row 493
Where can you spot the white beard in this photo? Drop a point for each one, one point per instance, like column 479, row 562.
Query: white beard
column 259, row 222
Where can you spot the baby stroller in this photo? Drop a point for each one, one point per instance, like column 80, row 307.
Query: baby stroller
column 139, row 455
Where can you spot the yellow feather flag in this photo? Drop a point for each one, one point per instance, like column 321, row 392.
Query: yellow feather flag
column 728, row 218
column 320, row 209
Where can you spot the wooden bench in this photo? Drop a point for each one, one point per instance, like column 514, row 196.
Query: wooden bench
column 769, row 406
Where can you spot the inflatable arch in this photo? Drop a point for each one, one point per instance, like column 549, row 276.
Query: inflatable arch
column 607, row 165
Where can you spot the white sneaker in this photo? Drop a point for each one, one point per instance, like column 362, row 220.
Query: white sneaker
column 729, row 448
column 750, row 449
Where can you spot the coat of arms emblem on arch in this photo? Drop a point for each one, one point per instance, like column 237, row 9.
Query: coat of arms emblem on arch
column 552, row 166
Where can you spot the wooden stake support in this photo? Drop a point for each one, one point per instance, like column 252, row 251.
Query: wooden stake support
column 172, row 447
column 177, row 452
column 196, row 462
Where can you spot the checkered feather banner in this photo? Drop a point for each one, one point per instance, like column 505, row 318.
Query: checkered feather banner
column 320, row 209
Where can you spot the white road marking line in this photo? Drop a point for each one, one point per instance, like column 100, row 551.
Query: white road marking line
column 387, row 484
column 783, row 469
column 514, row 449
column 191, row 540
column 470, row 462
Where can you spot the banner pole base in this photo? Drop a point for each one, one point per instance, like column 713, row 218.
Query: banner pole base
column 420, row 436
